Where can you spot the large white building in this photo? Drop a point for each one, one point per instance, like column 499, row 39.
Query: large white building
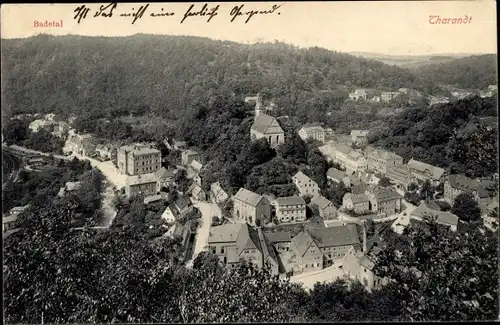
column 312, row 132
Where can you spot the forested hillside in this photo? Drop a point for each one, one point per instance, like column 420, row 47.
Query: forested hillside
column 478, row 71
column 160, row 75
column 462, row 135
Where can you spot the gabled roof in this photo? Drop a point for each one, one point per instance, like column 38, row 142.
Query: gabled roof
column 189, row 152
column 422, row 167
column 290, row 200
column 302, row 242
column 335, row 236
column 300, row 177
column 465, row 183
column 278, row 236
column 384, row 194
column 263, row 122
column 216, row 188
column 141, row 179
column 357, row 198
column 343, row 148
column 248, row 197
column 358, row 188
column 227, row 233
column 312, row 129
column 196, row 165
column 182, row 203
column 164, row 173
column 384, row 154
column 248, row 238
column 266, row 247
column 425, row 212
column 359, row 133
column 321, row 201
column 335, row 174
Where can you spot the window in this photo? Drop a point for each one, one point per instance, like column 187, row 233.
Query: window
column 222, row 250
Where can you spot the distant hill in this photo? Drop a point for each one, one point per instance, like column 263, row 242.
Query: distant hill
column 410, row 61
column 478, row 71
column 161, row 75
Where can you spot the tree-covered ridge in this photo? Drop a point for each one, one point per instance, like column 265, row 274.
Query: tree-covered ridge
column 455, row 135
column 158, row 75
column 477, row 71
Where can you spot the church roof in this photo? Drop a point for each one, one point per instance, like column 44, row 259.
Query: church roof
column 263, row 122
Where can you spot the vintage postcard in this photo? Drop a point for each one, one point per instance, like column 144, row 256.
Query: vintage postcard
column 250, row 162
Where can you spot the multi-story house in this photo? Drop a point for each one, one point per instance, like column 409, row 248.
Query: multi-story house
column 358, row 264
column 232, row 243
column 458, row 184
column 426, row 212
column 141, row 185
column 326, row 209
column 281, row 240
column 290, row 209
column 306, row 253
column 349, row 158
column 106, row 152
column 9, row 220
column 188, row 156
column 360, row 137
column 334, row 242
column 387, row 96
column 266, row 126
column 305, row 185
column 338, row 176
column 358, row 94
column 164, row 177
column 182, row 206
column 250, row 207
column 400, row 175
column 422, row 171
column 217, row 193
column 138, row 159
column 380, row 160
column 359, row 203
column 312, row 132
column 384, row 200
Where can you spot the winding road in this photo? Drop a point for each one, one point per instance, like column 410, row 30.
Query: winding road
column 10, row 167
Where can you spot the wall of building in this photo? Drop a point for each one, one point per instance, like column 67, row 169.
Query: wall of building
column 141, row 189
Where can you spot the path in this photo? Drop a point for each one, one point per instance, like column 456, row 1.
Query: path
column 403, row 218
column 10, row 168
column 208, row 210
column 108, row 209
column 108, row 169
column 326, row 275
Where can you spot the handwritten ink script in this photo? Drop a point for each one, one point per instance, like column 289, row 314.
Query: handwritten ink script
column 193, row 11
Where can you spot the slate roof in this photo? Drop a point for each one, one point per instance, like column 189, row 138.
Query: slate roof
column 321, row 201
column 196, row 165
column 384, row 194
column 300, row 177
column 335, row 236
column 313, row 129
column 290, row 200
column 358, row 198
column 224, row 234
column 335, row 174
column 422, row 167
column 248, row 238
column 164, row 173
column 141, row 179
column 426, row 212
column 465, row 183
column 353, row 154
column 343, row 148
column 248, row 197
column 263, row 122
column 153, row 198
column 278, row 236
column 383, row 154
column 359, row 188
column 266, row 247
column 302, row 242
column 359, row 133
column 182, row 203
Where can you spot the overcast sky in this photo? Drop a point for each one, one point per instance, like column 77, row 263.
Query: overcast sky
column 399, row 28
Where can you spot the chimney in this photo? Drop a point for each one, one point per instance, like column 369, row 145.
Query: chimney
column 364, row 238
column 258, row 106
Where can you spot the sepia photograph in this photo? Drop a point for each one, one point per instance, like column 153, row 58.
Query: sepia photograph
column 250, row 162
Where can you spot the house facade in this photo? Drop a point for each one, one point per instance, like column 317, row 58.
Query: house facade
column 459, row 184
column 250, row 207
column 141, row 185
column 306, row 253
column 188, row 156
column 312, row 132
column 217, row 194
column 422, row 171
column 305, row 185
column 358, row 94
column 334, row 242
column 380, row 160
column 290, row 209
column 387, row 96
column 138, row 159
column 326, row 209
column 399, row 175
column 164, row 177
column 338, row 176
column 384, row 200
column 358, row 203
